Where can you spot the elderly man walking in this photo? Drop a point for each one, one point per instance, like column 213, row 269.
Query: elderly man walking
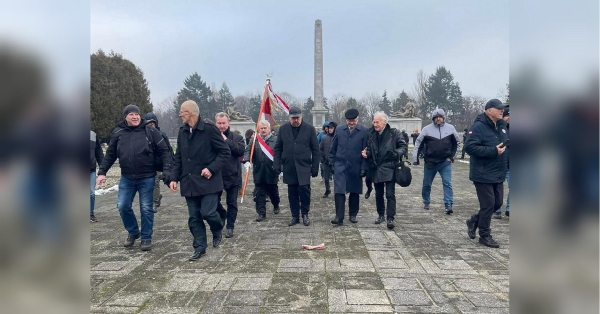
column 199, row 159
column 385, row 148
column 440, row 141
column 349, row 166
column 297, row 154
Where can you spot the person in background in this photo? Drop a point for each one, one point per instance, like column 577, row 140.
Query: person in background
column 466, row 131
column 152, row 121
column 498, row 213
column 324, row 148
column 96, row 156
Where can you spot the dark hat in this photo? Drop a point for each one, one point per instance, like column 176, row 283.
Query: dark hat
column 494, row 103
column 130, row 108
column 351, row 114
column 506, row 112
column 332, row 124
column 295, row 112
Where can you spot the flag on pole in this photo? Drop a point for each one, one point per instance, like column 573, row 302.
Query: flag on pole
column 265, row 148
column 277, row 101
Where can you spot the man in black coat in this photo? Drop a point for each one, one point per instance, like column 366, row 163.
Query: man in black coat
column 265, row 178
column 405, row 137
column 465, row 134
column 384, row 151
column 324, row 148
column 152, row 121
column 201, row 155
column 348, row 166
column 130, row 143
column 231, row 173
column 297, row 154
column 487, row 168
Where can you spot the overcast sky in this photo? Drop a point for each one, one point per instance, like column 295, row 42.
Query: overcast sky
column 368, row 46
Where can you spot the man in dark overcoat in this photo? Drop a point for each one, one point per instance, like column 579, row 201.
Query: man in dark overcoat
column 349, row 166
column 297, row 154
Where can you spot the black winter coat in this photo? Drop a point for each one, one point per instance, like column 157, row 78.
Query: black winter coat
column 297, row 157
column 325, row 147
column 384, row 154
column 262, row 166
column 232, row 170
column 135, row 151
column 204, row 147
column 486, row 166
column 96, row 154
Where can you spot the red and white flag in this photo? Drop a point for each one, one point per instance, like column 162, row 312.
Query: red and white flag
column 266, row 149
column 277, row 101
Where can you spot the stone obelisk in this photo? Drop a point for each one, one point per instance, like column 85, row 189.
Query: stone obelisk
column 318, row 111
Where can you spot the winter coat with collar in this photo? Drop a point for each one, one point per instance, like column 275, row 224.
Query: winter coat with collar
column 262, row 165
column 441, row 141
column 297, row 157
column 384, row 153
column 346, row 156
column 232, row 170
column 96, row 154
column 199, row 148
column 135, row 151
column 486, row 166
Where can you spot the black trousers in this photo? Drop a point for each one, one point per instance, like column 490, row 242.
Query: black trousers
column 369, row 180
column 203, row 208
column 463, row 152
column 390, row 196
column 326, row 172
column 299, row 198
column 231, row 200
column 490, row 199
column 340, row 205
column 262, row 190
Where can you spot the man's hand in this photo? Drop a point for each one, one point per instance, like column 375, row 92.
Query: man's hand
column 363, row 173
column 450, row 159
column 101, row 179
column 277, row 170
column 315, row 174
column 247, row 166
column 206, row 173
column 173, row 186
column 364, row 152
column 500, row 149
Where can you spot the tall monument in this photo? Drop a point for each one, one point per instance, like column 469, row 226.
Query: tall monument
column 318, row 111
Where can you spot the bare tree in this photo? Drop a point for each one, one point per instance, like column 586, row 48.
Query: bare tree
column 370, row 103
column 473, row 105
column 167, row 112
column 337, row 107
column 418, row 93
column 242, row 103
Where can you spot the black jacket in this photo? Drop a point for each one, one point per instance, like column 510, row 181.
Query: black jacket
column 232, row 170
column 486, row 166
column 96, row 154
column 384, row 153
column 135, row 151
column 262, row 165
column 204, row 147
column 297, row 157
column 157, row 162
column 405, row 137
column 325, row 147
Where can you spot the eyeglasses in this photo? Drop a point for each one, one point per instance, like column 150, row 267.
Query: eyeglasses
column 182, row 112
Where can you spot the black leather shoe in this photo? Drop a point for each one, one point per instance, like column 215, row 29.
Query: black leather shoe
column 507, row 214
column 217, row 239
column 379, row 220
column 353, row 219
column 426, row 206
column 196, row 255
column 337, row 222
column 294, row 221
column 146, row 245
column 131, row 239
column 471, row 228
column 368, row 194
column 229, row 233
column 497, row 215
column 305, row 220
column 390, row 224
column 261, row 218
column 489, row 242
column 449, row 209
column 276, row 210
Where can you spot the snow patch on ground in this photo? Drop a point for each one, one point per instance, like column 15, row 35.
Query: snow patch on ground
column 464, row 161
column 106, row 191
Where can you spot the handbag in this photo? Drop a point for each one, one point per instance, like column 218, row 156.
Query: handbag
column 403, row 175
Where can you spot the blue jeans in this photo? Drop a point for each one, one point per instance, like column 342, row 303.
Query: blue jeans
column 92, row 191
column 499, row 211
column 127, row 190
column 429, row 172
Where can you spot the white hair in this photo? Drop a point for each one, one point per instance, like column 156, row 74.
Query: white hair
column 221, row 115
column 264, row 122
column 382, row 115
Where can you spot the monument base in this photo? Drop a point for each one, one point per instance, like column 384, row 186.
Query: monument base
column 242, row 126
column 318, row 118
column 407, row 124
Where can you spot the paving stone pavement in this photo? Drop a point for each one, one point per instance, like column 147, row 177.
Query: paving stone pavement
column 427, row 264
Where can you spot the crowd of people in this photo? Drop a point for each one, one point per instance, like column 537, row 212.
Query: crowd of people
column 208, row 159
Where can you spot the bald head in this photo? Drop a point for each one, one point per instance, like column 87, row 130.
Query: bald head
column 189, row 112
column 191, row 106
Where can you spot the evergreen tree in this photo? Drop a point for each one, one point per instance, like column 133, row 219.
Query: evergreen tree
column 255, row 103
column 225, row 98
column 115, row 82
column 400, row 102
column 385, row 105
column 196, row 89
column 442, row 92
column 306, row 110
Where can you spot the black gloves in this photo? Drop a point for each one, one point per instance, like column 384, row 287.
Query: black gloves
column 315, row 173
column 363, row 173
column 277, row 170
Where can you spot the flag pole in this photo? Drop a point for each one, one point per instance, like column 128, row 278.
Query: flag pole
column 262, row 104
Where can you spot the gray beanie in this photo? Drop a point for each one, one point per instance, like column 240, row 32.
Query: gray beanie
column 130, row 108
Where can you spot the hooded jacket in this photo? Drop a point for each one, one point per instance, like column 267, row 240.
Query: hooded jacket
column 486, row 166
column 325, row 145
column 151, row 117
column 440, row 141
column 135, row 151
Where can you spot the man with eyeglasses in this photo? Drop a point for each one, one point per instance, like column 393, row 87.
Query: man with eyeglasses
column 297, row 154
